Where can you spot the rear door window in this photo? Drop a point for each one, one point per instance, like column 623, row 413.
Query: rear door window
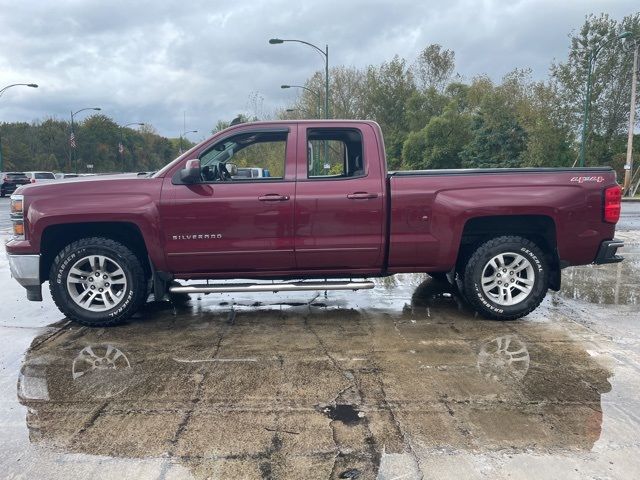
column 16, row 176
column 334, row 153
column 44, row 176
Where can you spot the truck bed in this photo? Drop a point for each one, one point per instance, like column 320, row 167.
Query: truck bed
column 502, row 171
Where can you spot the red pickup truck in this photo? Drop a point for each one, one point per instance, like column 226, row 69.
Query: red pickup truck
column 324, row 208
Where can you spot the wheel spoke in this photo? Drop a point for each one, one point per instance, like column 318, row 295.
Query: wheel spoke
column 106, row 300
column 508, row 297
column 525, row 281
column 487, row 280
column 520, row 265
column 89, row 299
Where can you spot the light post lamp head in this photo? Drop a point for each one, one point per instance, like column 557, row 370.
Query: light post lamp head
column 96, row 108
column 285, row 86
column 32, row 85
column 275, row 41
column 626, row 34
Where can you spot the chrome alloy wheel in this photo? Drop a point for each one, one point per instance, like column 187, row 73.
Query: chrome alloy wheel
column 96, row 283
column 507, row 279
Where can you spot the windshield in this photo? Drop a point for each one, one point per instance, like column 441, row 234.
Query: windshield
column 16, row 175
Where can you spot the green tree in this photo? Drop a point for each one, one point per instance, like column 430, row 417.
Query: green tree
column 498, row 139
column 611, row 82
column 440, row 143
column 434, row 67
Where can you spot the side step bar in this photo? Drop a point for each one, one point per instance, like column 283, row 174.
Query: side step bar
column 271, row 287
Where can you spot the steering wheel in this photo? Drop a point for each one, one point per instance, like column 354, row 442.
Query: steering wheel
column 207, row 174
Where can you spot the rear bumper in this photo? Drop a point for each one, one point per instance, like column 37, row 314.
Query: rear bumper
column 26, row 270
column 607, row 252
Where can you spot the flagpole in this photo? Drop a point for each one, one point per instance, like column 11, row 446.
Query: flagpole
column 72, row 137
column 72, row 146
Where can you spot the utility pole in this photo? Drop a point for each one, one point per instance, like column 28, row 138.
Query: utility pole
column 628, row 167
column 592, row 54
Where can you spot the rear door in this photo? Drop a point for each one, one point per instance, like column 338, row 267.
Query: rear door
column 339, row 214
column 238, row 223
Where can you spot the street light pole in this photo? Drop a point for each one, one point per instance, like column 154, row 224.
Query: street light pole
column 325, row 54
column 121, row 145
column 628, row 167
column 32, row 85
column 587, row 98
column 313, row 92
column 72, row 137
column 183, row 134
column 2, row 90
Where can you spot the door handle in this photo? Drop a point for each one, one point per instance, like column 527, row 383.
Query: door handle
column 273, row 197
column 361, row 196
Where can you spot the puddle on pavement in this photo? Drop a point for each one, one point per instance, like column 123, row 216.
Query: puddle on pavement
column 290, row 389
column 612, row 284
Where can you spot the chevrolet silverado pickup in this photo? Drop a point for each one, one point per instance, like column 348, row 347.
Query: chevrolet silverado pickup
column 328, row 211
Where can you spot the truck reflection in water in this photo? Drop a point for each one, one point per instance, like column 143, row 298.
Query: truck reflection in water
column 311, row 385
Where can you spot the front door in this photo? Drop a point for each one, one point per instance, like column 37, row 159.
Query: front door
column 236, row 219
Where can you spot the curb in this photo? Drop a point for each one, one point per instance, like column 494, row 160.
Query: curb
column 631, row 199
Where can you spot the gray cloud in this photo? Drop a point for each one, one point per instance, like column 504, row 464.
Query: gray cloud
column 151, row 61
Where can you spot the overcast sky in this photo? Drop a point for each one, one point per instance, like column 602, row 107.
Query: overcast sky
column 150, row 61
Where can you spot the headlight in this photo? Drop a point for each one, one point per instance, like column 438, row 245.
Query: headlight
column 17, row 216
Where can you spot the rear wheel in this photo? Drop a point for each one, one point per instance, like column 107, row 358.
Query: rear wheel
column 97, row 282
column 506, row 278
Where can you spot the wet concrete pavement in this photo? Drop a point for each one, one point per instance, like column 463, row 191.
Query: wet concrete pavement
column 398, row 382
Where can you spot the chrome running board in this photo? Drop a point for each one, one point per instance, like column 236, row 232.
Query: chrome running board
column 271, row 287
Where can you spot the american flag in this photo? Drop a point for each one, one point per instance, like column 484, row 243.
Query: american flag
column 72, row 140
column 120, row 148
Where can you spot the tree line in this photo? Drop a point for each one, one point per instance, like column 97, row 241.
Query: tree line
column 45, row 145
column 433, row 118
column 430, row 115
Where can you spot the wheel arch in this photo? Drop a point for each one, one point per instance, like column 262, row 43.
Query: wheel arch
column 540, row 229
column 56, row 237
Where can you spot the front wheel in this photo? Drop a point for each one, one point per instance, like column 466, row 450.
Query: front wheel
column 97, row 282
column 506, row 278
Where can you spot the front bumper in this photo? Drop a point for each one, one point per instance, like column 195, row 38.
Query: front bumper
column 607, row 252
column 26, row 270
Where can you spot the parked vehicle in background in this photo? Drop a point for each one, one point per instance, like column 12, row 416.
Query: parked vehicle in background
column 328, row 210
column 62, row 176
column 252, row 172
column 41, row 177
column 11, row 181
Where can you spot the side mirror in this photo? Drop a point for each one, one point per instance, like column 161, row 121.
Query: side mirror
column 191, row 173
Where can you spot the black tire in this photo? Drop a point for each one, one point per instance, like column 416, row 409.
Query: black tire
column 487, row 306
column 134, row 294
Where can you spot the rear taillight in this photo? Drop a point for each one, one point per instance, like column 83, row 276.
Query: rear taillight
column 33, row 180
column 612, row 200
